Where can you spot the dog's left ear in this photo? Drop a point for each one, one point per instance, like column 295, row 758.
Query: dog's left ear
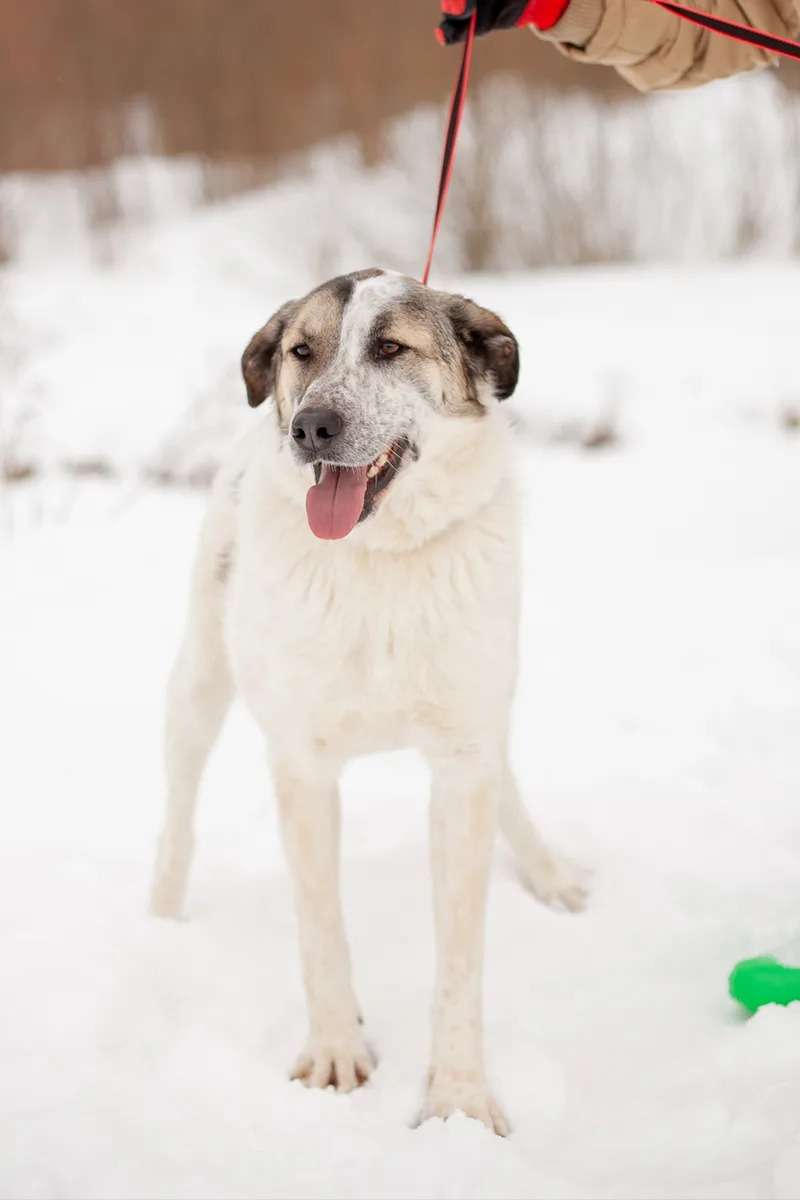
column 260, row 358
column 489, row 347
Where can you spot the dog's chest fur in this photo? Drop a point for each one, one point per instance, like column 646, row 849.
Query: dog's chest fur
column 362, row 649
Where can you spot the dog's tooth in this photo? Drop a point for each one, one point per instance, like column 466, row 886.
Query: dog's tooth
column 377, row 466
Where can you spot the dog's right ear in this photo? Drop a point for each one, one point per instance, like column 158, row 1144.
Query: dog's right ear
column 260, row 359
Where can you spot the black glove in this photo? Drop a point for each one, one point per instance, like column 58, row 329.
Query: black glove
column 492, row 14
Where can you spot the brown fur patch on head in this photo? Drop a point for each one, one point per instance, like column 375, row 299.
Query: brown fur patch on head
column 471, row 345
column 259, row 361
column 316, row 319
column 316, row 322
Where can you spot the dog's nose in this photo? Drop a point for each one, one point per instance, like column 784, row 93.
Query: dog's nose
column 314, row 428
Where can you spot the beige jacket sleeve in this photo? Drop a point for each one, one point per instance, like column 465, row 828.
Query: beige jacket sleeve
column 652, row 48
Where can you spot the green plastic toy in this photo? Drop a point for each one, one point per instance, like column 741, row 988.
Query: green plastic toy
column 755, row 982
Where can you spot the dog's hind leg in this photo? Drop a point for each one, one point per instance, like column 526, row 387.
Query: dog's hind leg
column 552, row 879
column 198, row 696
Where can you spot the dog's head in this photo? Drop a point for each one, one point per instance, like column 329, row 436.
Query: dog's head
column 362, row 370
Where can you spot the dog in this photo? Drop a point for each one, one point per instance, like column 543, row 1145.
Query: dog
column 357, row 583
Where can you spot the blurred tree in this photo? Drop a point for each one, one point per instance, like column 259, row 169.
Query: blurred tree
column 82, row 81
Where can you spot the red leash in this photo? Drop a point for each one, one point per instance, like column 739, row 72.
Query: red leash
column 457, row 102
column 730, row 29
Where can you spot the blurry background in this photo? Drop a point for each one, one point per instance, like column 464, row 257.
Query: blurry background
column 221, row 81
column 170, row 172
column 187, row 165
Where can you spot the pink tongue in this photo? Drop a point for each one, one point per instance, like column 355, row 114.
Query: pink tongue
column 334, row 505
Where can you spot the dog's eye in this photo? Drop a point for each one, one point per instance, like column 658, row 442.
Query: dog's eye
column 302, row 351
column 389, row 349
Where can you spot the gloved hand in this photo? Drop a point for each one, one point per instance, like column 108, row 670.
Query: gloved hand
column 492, row 14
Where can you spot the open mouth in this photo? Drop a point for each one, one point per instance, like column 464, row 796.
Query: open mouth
column 342, row 495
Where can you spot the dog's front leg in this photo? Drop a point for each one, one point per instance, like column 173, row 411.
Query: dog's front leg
column 335, row 1052
column 463, row 826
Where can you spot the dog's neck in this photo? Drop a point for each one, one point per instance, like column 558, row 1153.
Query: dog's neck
column 459, row 475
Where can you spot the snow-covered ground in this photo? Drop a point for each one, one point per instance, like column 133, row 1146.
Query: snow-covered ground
column 657, row 733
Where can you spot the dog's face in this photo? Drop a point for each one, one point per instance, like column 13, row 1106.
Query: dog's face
column 360, row 368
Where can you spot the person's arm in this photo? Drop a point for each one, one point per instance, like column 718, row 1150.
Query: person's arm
column 654, row 49
column 650, row 47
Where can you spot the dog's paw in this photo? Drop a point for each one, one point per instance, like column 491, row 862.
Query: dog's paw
column 170, row 877
column 166, row 896
column 343, row 1061
column 448, row 1094
column 556, row 881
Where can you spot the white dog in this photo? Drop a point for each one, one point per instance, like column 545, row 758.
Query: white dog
column 357, row 583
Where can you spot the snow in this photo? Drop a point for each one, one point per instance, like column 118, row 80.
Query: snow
column 656, row 732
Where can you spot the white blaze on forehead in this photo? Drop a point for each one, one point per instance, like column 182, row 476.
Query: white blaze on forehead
column 369, row 299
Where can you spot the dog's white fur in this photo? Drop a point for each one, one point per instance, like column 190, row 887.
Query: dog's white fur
column 402, row 634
